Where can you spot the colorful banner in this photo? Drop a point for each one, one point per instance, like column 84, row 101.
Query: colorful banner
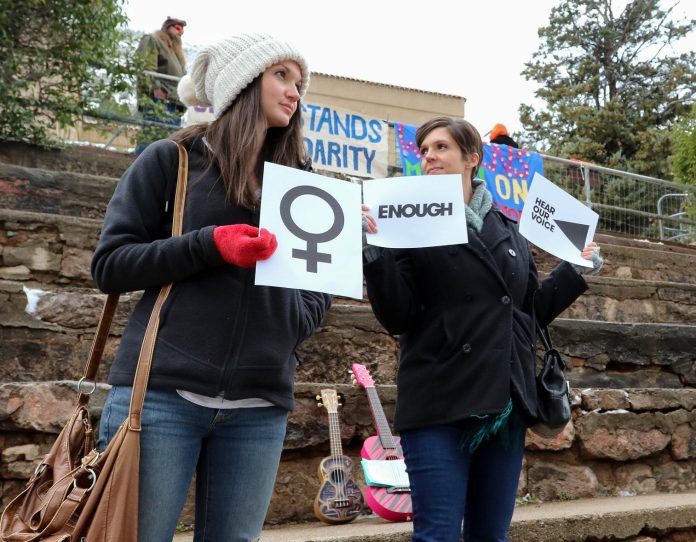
column 336, row 139
column 408, row 150
column 345, row 141
column 508, row 171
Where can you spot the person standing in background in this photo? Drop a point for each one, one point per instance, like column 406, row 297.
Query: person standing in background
column 158, row 100
column 500, row 136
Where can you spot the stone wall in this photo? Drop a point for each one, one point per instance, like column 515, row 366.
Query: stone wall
column 46, row 334
column 620, row 442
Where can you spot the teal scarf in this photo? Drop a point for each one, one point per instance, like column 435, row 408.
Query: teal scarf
column 481, row 202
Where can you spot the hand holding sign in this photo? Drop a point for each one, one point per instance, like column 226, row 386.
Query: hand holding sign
column 556, row 222
column 243, row 245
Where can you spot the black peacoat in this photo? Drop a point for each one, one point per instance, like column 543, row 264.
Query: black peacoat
column 465, row 319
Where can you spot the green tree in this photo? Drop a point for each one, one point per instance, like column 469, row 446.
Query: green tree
column 59, row 58
column 684, row 156
column 684, row 149
column 612, row 84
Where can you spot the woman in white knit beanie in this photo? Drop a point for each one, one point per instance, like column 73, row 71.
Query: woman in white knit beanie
column 221, row 381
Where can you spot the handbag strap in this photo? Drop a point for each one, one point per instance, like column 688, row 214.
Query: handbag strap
column 98, row 345
column 142, row 372
column 543, row 332
column 109, row 309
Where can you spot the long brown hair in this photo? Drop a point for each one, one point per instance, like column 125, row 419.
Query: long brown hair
column 174, row 43
column 239, row 147
column 463, row 132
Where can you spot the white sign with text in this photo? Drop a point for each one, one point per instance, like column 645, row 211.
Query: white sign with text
column 411, row 212
column 556, row 222
column 316, row 220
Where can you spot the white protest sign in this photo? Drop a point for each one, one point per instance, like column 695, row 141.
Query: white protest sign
column 422, row 211
column 556, row 222
column 318, row 226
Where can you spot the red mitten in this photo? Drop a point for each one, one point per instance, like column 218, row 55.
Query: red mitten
column 241, row 244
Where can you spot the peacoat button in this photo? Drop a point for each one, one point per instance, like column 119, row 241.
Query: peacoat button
column 505, row 300
column 466, row 348
column 512, row 252
column 468, row 297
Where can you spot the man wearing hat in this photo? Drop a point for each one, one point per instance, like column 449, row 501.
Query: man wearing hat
column 163, row 53
column 499, row 135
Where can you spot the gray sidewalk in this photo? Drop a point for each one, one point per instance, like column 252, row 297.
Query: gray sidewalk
column 567, row 521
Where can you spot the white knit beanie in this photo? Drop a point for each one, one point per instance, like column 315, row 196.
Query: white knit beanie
column 222, row 70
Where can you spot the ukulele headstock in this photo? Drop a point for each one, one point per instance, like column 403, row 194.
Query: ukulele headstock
column 362, row 376
column 330, row 400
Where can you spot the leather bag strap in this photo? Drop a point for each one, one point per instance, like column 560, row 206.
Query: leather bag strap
column 98, row 344
column 109, row 309
column 142, row 372
column 543, row 332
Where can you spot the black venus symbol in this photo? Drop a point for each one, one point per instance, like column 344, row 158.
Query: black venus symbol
column 312, row 254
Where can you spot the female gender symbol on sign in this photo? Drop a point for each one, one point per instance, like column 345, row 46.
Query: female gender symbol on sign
column 312, row 254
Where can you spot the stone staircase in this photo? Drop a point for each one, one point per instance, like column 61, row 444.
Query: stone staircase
column 630, row 342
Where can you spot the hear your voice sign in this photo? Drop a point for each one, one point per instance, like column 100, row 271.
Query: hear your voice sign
column 556, row 222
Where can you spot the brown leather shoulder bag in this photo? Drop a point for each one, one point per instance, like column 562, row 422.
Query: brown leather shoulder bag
column 78, row 494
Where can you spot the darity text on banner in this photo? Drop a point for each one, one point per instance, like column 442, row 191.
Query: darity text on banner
column 345, row 141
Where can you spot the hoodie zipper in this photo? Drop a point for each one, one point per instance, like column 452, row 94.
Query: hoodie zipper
column 240, row 324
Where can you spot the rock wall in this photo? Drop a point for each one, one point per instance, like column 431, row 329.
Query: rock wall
column 619, row 442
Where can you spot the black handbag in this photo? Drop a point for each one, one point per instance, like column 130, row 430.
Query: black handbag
column 553, row 390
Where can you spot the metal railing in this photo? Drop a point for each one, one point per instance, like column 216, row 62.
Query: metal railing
column 138, row 120
column 627, row 203
column 678, row 232
column 158, row 75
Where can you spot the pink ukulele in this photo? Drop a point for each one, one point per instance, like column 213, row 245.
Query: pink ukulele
column 391, row 503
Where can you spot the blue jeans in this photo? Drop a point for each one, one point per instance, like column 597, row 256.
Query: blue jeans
column 449, row 485
column 235, row 454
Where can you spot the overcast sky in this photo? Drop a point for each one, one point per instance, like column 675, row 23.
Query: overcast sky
column 474, row 49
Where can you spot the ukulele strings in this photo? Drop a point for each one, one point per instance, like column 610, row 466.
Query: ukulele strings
column 385, row 436
column 335, row 432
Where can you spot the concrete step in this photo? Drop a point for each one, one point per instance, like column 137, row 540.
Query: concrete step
column 595, row 519
column 84, row 195
column 633, row 300
column 61, row 193
column 78, row 159
column 47, row 248
column 46, row 332
column 627, row 258
column 55, row 249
